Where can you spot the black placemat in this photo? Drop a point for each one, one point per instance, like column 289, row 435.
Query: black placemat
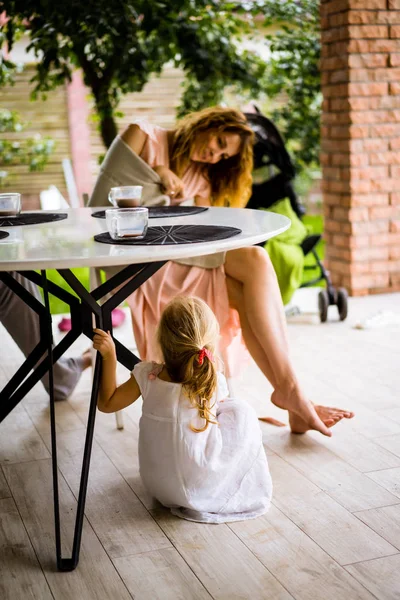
column 31, row 219
column 3, row 234
column 160, row 212
column 174, row 235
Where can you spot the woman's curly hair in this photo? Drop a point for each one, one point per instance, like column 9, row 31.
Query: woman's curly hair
column 230, row 179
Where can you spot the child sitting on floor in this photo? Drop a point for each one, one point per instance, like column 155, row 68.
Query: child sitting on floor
column 200, row 452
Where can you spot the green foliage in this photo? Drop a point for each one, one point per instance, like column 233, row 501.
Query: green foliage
column 7, row 67
column 120, row 43
column 294, row 70
column 223, row 61
column 305, row 180
column 34, row 151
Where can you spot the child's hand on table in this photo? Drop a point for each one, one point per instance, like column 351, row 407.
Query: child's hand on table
column 103, row 343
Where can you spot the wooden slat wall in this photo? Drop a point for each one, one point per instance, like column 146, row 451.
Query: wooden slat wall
column 157, row 103
column 49, row 118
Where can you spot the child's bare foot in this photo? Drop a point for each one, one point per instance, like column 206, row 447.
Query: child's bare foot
column 87, row 359
column 329, row 416
column 302, row 413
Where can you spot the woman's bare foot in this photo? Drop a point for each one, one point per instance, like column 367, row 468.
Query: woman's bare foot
column 327, row 413
column 329, row 416
column 302, row 413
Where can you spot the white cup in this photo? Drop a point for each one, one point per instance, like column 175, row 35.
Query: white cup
column 127, row 223
column 128, row 196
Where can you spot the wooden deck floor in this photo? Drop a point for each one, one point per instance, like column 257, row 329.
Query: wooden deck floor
column 333, row 530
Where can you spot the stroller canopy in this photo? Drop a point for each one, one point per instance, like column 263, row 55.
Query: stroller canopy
column 269, row 148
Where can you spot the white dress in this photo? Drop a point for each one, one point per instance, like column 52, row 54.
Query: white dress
column 215, row 476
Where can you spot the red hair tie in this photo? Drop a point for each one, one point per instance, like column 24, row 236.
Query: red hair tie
column 202, row 353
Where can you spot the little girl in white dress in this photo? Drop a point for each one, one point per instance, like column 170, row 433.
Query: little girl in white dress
column 200, row 452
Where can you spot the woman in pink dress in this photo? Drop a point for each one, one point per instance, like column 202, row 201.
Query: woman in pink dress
column 208, row 157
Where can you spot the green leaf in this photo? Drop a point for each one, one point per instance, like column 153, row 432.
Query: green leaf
column 120, row 44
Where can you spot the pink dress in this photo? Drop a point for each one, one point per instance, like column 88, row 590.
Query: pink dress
column 173, row 279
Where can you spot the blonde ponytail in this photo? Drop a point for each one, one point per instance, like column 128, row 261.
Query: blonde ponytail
column 187, row 334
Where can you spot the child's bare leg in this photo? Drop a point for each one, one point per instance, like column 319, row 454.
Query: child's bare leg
column 260, row 307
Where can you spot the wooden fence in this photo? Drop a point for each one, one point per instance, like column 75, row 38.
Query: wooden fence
column 49, row 118
column 157, row 103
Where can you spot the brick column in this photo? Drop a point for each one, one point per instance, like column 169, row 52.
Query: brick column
column 361, row 142
column 79, row 133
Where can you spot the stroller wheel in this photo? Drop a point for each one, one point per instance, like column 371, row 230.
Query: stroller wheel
column 323, row 303
column 341, row 302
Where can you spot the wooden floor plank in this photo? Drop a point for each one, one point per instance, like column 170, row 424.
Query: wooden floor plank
column 297, row 562
column 19, row 440
column 341, row 379
column 390, row 443
column 391, row 413
column 96, row 576
column 121, row 522
column 226, row 568
column 381, row 576
column 385, row 521
column 341, row 481
column 4, row 489
column 20, row 572
column 295, row 550
column 358, row 451
column 330, row 525
column 360, row 381
column 160, row 575
column 389, row 479
column 66, row 417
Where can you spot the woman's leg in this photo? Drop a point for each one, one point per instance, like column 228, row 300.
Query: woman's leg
column 330, row 416
column 265, row 328
column 236, row 301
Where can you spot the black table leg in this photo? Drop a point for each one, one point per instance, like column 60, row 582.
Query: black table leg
column 128, row 281
column 38, row 360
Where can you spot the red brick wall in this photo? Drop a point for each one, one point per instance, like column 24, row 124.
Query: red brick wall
column 361, row 142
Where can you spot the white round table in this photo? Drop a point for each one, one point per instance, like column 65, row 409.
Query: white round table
column 69, row 243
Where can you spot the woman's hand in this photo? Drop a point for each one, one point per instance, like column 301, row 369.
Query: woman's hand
column 171, row 184
column 103, row 343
